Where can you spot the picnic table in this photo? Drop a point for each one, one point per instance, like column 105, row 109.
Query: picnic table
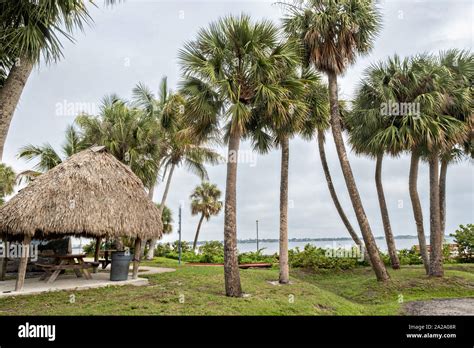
column 106, row 261
column 65, row 262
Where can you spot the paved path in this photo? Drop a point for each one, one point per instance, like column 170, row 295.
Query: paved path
column 71, row 282
column 455, row 306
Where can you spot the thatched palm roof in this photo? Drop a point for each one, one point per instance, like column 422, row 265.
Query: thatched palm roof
column 90, row 194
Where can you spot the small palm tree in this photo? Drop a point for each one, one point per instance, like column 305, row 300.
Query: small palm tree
column 166, row 219
column 334, row 33
column 231, row 71
column 205, row 201
column 47, row 156
column 7, row 181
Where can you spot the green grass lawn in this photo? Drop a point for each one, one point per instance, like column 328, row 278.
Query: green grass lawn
column 199, row 290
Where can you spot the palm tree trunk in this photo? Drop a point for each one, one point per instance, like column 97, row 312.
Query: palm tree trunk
column 197, row 232
column 436, row 239
column 151, row 250
column 283, row 256
column 335, row 199
column 231, row 265
column 151, row 192
column 392, row 250
column 442, row 195
column 10, row 95
column 371, row 246
column 417, row 211
column 167, row 188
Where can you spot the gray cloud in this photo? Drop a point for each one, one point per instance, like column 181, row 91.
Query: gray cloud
column 138, row 41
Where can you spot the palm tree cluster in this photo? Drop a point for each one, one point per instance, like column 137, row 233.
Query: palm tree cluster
column 253, row 80
column 437, row 129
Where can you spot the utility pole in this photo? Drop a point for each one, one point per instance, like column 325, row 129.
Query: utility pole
column 179, row 231
column 257, row 235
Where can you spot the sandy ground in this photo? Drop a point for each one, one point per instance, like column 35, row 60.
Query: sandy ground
column 456, row 306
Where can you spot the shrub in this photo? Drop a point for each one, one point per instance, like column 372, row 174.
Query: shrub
column 315, row 258
column 257, row 256
column 212, row 252
column 464, row 237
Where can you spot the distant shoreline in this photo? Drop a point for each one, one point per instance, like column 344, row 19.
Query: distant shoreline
column 326, row 239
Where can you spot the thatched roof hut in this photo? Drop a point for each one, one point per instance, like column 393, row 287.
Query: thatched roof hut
column 91, row 194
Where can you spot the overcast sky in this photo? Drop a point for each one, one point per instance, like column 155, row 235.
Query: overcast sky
column 137, row 41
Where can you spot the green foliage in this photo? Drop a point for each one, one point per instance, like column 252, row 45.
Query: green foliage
column 315, row 258
column 464, row 237
column 257, row 256
column 406, row 256
column 212, row 252
column 7, row 181
column 89, row 248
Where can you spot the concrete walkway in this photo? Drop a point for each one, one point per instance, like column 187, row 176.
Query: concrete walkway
column 453, row 306
column 71, row 282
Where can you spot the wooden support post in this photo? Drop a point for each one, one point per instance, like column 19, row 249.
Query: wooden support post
column 136, row 257
column 98, row 242
column 3, row 268
column 4, row 260
column 25, row 252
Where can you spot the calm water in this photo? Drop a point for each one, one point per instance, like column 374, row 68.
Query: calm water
column 272, row 247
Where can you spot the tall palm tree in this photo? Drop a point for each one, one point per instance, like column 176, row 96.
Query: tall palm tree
column 181, row 144
column 29, row 30
column 205, row 201
column 229, row 70
column 315, row 125
column 282, row 124
column 375, row 131
column 435, row 132
column 334, row 33
column 7, row 181
column 460, row 67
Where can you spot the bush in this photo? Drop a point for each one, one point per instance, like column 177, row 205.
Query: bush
column 212, row 252
column 315, row 258
column 464, row 237
column 257, row 256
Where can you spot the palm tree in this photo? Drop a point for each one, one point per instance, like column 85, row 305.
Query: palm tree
column 29, row 30
column 180, row 143
column 128, row 134
column 167, row 219
column 229, row 70
column 7, row 181
column 47, row 156
column 205, row 201
column 316, row 125
column 375, row 131
column 282, row 124
column 460, row 66
column 435, row 132
column 334, row 33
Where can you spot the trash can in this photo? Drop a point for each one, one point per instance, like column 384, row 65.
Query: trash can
column 120, row 265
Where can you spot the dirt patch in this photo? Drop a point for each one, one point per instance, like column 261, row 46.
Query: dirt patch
column 455, row 306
